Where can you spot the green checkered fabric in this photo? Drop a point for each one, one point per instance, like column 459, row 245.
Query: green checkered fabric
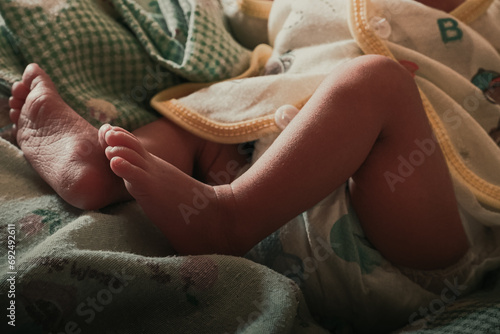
column 476, row 313
column 108, row 58
column 479, row 316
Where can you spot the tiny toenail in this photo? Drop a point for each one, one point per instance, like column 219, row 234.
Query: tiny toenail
column 14, row 115
column 107, row 134
column 117, row 161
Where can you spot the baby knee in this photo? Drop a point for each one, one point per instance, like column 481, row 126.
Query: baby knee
column 384, row 71
column 372, row 73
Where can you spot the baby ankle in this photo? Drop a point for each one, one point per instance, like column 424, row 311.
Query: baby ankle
column 234, row 243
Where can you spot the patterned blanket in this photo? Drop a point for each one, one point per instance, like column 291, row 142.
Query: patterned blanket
column 66, row 270
column 107, row 58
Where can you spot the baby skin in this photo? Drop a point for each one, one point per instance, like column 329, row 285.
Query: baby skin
column 349, row 131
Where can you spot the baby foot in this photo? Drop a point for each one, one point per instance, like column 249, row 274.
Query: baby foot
column 60, row 145
column 186, row 210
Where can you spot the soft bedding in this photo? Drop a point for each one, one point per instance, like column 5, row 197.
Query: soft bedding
column 112, row 271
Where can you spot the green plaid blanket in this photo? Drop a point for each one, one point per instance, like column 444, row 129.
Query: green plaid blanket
column 477, row 313
column 107, row 58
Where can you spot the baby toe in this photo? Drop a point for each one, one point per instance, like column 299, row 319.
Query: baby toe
column 34, row 75
column 101, row 135
column 15, row 103
column 127, row 154
column 14, row 115
column 126, row 170
column 120, row 137
column 19, row 90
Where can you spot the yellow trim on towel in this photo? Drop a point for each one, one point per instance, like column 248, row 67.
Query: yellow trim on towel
column 485, row 192
column 176, row 92
column 233, row 133
column 470, row 10
column 166, row 103
column 366, row 38
column 256, row 8
column 370, row 43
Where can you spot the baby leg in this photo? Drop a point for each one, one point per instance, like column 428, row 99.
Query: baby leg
column 206, row 161
column 66, row 151
column 364, row 120
column 361, row 120
column 184, row 208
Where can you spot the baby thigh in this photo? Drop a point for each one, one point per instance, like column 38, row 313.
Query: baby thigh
column 403, row 192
